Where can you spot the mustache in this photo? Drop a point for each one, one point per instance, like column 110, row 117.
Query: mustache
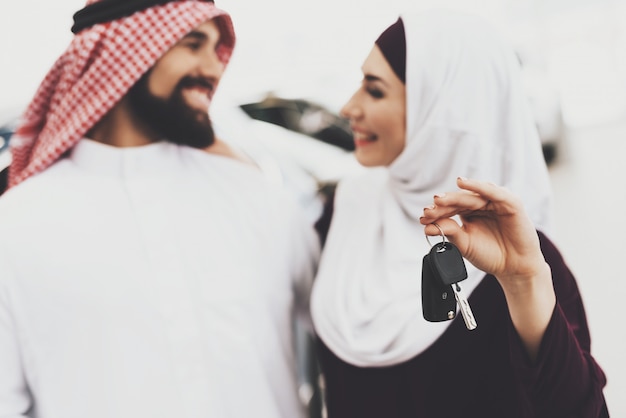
column 205, row 82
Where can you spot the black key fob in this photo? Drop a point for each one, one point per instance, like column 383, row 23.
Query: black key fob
column 447, row 263
column 438, row 302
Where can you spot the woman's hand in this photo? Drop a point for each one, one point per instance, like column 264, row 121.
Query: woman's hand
column 498, row 237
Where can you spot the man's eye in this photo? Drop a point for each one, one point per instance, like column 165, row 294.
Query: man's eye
column 194, row 46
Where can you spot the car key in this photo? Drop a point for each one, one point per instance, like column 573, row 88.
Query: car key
column 437, row 301
column 466, row 311
column 447, row 263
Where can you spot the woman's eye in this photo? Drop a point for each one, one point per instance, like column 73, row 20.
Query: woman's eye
column 375, row 93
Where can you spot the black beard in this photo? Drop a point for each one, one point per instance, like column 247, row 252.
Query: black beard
column 172, row 119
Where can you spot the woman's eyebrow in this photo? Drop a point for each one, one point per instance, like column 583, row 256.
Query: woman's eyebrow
column 373, row 78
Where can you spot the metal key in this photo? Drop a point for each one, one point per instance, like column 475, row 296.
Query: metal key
column 447, row 262
column 464, row 307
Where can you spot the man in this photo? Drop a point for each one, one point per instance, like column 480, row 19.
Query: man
column 146, row 270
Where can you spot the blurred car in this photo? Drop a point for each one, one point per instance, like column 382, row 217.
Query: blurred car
column 6, row 131
column 545, row 103
column 546, row 107
column 313, row 119
column 9, row 124
column 5, row 135
column 305, row 117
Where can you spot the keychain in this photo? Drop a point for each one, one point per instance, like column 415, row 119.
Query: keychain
column 442, row 270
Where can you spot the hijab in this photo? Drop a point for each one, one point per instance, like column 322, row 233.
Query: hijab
column 116, row 42
column 392, row 43
column 467, row 115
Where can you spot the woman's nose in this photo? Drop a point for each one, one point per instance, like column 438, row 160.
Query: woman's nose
column 350, row 110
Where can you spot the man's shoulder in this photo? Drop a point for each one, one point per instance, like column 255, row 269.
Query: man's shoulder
column 33, row 193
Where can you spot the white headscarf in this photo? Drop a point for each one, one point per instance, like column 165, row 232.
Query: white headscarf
column 467, row 115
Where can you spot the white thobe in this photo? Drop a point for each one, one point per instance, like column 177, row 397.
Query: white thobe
column 157, row 281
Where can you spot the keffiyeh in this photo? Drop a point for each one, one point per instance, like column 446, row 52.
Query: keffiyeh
column 101, row 64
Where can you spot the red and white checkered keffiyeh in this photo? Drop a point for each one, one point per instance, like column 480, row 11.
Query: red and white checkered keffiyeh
column 99, row 67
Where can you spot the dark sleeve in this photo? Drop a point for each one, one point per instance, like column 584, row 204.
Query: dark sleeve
column 323, row 223
column 565, row 380
column 4, row 180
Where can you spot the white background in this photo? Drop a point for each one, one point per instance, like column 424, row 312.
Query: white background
column 315, row 48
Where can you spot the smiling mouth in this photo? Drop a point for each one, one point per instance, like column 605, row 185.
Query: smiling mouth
column 198, row 97
column 361, row 139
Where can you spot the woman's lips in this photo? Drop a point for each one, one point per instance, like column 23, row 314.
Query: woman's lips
column 362, row 139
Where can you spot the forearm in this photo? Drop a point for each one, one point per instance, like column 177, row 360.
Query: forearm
column 531, row 303
column 564, row 380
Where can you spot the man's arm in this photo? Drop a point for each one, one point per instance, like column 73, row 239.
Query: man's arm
column 305, row 257
column 302, row 253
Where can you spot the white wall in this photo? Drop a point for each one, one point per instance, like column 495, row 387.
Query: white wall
column 316, row 48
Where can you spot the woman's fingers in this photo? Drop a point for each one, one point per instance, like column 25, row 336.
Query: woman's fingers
column 494, row 194
column 455, row 203
column 476, row 198
column 451, row 230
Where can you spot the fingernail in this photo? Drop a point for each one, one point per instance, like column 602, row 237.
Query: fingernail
column 461, row 178
column 440, row 195
column 430, row 207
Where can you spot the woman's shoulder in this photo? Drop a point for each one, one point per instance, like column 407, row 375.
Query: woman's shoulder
column 349, row 191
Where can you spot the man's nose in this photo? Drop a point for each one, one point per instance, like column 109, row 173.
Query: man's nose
column 211, row 66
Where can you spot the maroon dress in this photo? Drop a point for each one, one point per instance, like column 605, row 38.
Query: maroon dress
column 484, row 373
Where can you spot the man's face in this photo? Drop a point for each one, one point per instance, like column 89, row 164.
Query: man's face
column 173, row 98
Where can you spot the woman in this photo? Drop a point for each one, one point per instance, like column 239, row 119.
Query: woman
column 441, row 98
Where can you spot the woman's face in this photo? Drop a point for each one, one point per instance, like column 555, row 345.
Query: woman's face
column 377, row 113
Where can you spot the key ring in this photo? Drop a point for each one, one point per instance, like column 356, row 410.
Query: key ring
column 442, row 235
